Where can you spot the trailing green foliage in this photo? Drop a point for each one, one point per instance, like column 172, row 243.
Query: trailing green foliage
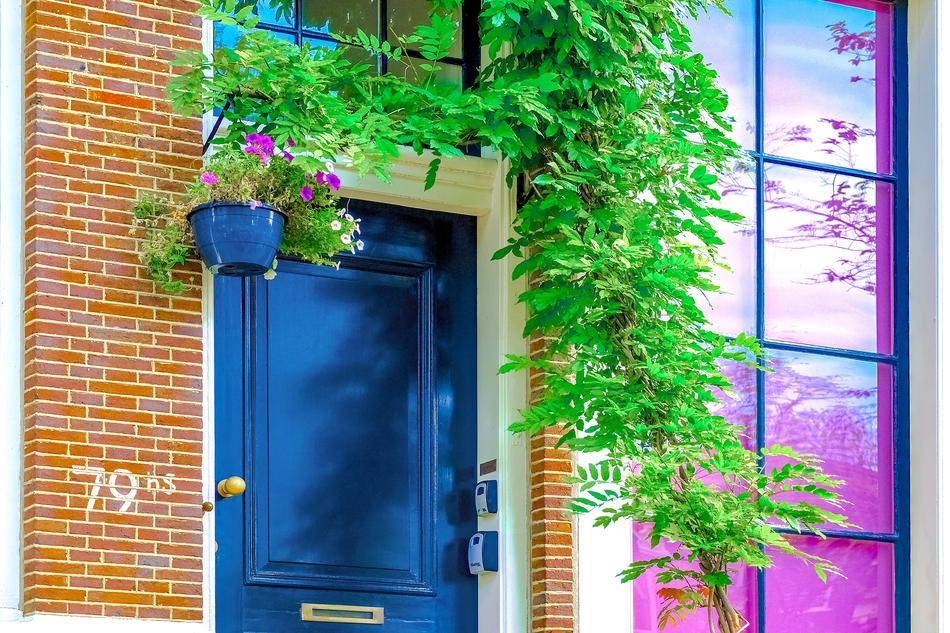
column 615, row 129
column 164, row 246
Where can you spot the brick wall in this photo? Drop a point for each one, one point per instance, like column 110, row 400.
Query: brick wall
column 112, row 367
column 553, row 529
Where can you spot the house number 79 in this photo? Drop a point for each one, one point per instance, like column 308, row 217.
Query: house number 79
column 110, row 480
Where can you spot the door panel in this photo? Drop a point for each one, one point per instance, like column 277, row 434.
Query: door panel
column 346, row 399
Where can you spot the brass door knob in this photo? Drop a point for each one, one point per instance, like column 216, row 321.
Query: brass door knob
column 231, row 487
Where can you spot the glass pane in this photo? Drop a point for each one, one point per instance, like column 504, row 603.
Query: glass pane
column 828, row 82
column 282, row 12
column 739, row 407
column 732, row 309
column 828, row 274
column 727, row 43
column 448, row 78
column 354, row 54
column 842, row 411
column 344, row 17
column 797, row 601
column 647, row 603
column 406, row 15
column 226, row 36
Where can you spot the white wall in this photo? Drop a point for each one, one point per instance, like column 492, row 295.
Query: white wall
column 605, row 605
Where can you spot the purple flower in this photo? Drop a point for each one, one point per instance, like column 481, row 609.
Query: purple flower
column 288, row 156
column 255, row 204
column 261, row 145
column 306, row 192
column 209, row 178
column 253, row 149
column 333, row 181
column 321, row 178
column 290, row 143
column 263, row 141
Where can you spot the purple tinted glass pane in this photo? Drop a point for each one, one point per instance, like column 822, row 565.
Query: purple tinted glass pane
column 647, row 603
column 739, row 406
column 842, row 411
column 726, row 43
column 732, row 309
column 828, row 272
column 828, row 82
column 797, row 601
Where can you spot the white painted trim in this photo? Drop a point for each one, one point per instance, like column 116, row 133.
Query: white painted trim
column 47, row 623
column 11, row 306
column 465, row 185
column 929, row 141
column 503, row 598
column 207, row 444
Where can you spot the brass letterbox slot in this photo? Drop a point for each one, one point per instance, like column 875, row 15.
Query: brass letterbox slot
column 341, row 613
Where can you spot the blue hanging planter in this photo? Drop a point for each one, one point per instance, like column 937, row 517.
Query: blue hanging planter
column 236, row 240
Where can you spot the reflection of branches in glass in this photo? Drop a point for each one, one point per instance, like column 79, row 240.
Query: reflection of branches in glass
column 845, row 221
column 820, row 414
column 859, row 45
column 846, row 136
column 844, row 217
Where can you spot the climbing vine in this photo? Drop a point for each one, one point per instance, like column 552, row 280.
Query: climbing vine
column 615, row 130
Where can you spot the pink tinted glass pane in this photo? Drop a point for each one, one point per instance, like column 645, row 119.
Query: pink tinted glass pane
column 828, row 82
column 726, row 43
column 797, row 601
column 842, row 411
column 828, row 273
column 739, row 406
column 732, row 309
column 647, row 603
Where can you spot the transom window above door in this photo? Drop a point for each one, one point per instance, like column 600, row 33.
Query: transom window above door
column 317, row 21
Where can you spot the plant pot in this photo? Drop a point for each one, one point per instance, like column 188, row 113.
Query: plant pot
column 236, row 240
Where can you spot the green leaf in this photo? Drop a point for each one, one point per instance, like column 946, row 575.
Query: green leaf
column 432, row 172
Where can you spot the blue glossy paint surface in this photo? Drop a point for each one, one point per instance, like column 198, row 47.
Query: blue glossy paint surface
column 346, row 399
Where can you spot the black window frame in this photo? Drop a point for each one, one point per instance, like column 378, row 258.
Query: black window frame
column 469, row 62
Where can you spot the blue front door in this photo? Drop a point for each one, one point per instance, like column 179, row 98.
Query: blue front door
column 346, row 400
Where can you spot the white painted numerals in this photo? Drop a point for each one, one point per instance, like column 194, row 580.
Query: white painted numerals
column 118, row 480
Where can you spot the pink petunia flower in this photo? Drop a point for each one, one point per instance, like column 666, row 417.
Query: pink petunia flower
column 321, row 178
column 306, row 192
column 257, row 151
column 333, row 181
column 263, row 141
column 209, row 178
column 256, row 204
column 288, row 156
